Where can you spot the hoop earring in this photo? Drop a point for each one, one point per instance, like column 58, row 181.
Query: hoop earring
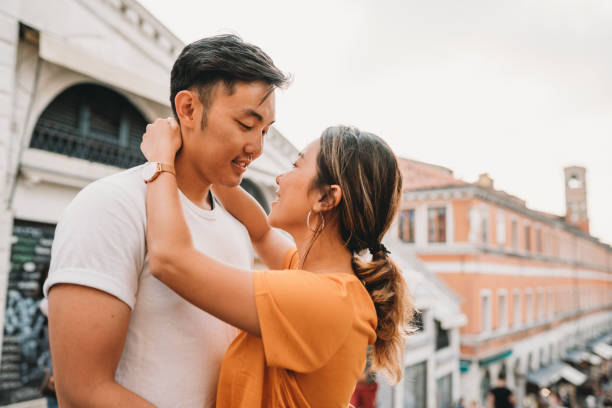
column 322, row 222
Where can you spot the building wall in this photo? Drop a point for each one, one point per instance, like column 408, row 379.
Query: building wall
column 112, row 43
column 497, row 248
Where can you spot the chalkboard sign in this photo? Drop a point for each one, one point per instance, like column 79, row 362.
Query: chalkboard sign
column 25, row 345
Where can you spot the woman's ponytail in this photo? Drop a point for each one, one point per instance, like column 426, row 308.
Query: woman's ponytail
column 384, row 282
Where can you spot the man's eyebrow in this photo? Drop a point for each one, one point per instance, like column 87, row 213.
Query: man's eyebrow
column 253, row 113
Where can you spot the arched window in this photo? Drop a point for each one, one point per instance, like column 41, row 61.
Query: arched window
column 94, row 123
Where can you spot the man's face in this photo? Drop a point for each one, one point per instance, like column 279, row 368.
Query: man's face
column 234, row 133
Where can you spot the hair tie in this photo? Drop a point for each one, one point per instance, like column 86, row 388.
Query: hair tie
column 380, row 248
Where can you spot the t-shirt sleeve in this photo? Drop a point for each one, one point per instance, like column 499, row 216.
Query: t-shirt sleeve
column 304, row 317
column 291, row 259
column 100, row 242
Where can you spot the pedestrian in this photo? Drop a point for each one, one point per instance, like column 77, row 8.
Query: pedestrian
column 364, row 395
column 500, row 396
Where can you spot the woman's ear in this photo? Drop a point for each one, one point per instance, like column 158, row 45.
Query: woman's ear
column 330, row 199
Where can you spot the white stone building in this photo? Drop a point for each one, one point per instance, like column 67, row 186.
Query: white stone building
column 431, row 375
column 79, row 79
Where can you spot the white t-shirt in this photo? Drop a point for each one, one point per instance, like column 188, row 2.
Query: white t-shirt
column 173, row 350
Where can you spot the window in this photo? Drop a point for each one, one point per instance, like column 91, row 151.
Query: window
column 415, row 382
column 444, row 391
column 501, row 228
column 436, row 218
column 94, row 123
column 539, row 241
column 540, row 306
column 518, row 310
column 502, row 320
column 514, row 235
column 527, row 238
column 484, row 230
column 406, row 225
column 551, row 303
column 529, row 305
column 485, row 310
column 442, row 336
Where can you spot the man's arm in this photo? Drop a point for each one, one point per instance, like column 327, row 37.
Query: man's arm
column 87, row 330
column 512, row 399
column 490, row 400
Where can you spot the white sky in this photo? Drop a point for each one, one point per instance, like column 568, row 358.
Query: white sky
column 518, row 89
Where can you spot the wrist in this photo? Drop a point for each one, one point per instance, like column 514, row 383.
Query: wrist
column 165, row 159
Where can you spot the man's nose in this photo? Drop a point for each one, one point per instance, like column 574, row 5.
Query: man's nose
column 255, row 145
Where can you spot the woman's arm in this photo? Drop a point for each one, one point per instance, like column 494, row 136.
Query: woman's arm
column 270, row 244
column 219, row 289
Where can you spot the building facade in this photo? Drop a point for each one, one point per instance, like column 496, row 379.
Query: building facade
column 79, row 81
column 431, row 376
column 534, row 286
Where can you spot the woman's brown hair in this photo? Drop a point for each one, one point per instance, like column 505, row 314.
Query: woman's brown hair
column 367, row 172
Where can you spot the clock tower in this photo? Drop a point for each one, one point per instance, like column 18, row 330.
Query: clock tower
column 576, row 198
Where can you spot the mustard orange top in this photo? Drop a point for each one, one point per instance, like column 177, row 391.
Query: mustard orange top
column 314, row 332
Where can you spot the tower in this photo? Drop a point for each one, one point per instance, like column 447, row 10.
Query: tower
column 576, row 198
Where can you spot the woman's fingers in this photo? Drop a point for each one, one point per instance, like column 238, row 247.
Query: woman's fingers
column 162, row 137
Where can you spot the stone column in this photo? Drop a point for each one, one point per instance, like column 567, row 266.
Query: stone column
column 9, row 38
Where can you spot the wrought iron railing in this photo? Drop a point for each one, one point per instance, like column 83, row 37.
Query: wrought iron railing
column 56, row 137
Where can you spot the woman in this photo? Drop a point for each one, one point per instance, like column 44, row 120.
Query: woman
column 306, row 324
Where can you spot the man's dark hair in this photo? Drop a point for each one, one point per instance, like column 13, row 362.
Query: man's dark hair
column 203, row 63
column 501, row 377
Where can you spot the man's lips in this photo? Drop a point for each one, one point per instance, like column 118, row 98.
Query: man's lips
column 241, row 164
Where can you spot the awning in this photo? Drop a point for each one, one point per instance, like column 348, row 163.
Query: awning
column 464, row 365
column 449, row 318
column 578, row 356
column 496, row 357
column 572, row 375
column 603, row 350
column 555, row 372
column 593, row 359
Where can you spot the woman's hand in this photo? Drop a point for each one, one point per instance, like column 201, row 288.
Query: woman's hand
column 161, row 141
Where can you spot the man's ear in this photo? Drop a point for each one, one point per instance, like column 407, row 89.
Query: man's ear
column 188, row 108
column 330, row 198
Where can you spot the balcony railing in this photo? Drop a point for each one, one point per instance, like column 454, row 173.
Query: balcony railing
column 64, row 139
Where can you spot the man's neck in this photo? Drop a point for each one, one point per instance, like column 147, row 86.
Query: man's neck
column 195, row 188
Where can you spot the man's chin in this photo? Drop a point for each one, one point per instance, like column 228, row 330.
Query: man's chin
column 231, row 182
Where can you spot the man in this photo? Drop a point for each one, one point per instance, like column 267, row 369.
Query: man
column 118, row 336
column 501, row 396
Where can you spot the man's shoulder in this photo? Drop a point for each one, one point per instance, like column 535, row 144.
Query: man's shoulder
column 231, row 221
column 126, row 184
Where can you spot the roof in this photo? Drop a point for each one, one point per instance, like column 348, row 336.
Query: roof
column 421, row 176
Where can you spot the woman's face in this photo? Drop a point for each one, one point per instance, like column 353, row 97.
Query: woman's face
column 295, row 198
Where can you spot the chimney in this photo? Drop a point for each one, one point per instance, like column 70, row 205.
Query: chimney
column 576, row 198
column 485, row 181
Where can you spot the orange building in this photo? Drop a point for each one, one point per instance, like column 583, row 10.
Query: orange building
column 534, row 286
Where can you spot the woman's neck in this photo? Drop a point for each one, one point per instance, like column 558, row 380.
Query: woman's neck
column 326, row 254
